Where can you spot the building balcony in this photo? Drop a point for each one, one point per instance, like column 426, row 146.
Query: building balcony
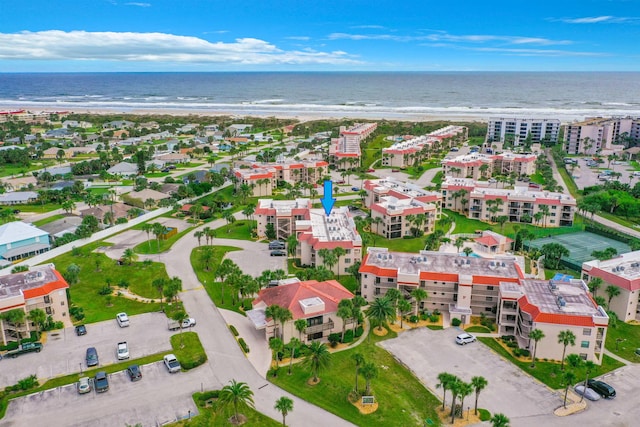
column 319, row 328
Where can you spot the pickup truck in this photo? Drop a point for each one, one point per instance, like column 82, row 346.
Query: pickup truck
column 27, row 347
column 172, row 364
column 186, row 323
column 123, row 350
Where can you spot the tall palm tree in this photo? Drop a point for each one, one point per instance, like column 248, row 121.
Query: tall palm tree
column 358, row 359
column 198, row 235
column 479, row 384
column 345, row 311
column 446, row 379
column 455, row 387
column 566, row 338
column 589, row 366
column 380, row 311
column 276, row 345
column 499, row 420
column 236, row 394
column 369, row 372
column 318, row 357
column 465, row 390
column 536, row 335
column 612, row 292
column 419, row 295
column 284, row 405
column 301, row 326
column 594, row 284
column 180, row 316
column 404, row 307
column 568, row 378
column 294, row 344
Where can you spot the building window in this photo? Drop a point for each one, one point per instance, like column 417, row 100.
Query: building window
column 488, row 309
column 48, row 310
column 390, row 280
column 47, row 299
column 488, row 298
column 586, row 331
column 61, row 302
column 584, row 344
column 583, row 356
column 366, row 276
column 489, row 288
column 347, row 260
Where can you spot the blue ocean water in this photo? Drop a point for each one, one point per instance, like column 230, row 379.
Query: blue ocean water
column 566, row 96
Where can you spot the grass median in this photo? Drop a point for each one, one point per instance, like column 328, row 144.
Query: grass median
column 188, row 349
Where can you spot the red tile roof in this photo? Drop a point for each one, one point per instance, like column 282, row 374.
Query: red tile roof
column 47, row 288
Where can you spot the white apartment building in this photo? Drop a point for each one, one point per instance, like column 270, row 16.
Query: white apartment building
column 262, row 181
column 595, row 134
column 516, row 130
column 399, row 216
column 403, row 153
column 320, row 231
column 471, row 165
column 263, row 177
column 344, row 151
column 283, row 214
column 623, row 272
column 376, row 189
column 552, row 307
column 477, row 200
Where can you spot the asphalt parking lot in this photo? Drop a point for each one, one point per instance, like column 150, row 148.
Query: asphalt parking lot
column 585, row 176
column 64, row 352
column 254, row 258
column 166, row 396
column 511, row 392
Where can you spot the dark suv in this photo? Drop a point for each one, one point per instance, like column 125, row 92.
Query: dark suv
column 92, row 357
column 602, row 388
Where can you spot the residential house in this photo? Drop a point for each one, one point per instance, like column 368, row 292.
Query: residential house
column 118, row 124
column 492, row 243
column 237, row 129
column 146, row 195
column 42, row 287
column 19, row 240
column 477, row 200
column 173, row 158
column 20, row 182
column 117, row 210
column 18, row 197
column 124, row 169
column 282, row 214
column 313, row 301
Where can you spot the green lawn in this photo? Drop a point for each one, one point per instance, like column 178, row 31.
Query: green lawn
column 85, row 293
column 239, row 230
column 571, row 185
column 48, row 220
column 38, row 207
column 399, row 245
column 618, row 220
column 152, row 246
column 403, row 400
column 209, row 417
column 438, row 178
column 188, row 350
column 537, row 178
column 373, row 150
column 549, row 373
column 213, row 288
column 16, row 170
column 629, row 336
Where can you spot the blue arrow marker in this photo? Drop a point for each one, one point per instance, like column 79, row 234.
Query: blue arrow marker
column 327, row 199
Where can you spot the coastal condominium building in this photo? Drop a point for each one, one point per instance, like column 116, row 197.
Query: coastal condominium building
column 282, row 214
column 344, row 151
column 516, row 130
column 552, row 307
column 595, row 134
column 477, row 200
column 322, row 231
column 623, row 272
column 461, row 287
column 376, row 189
column 41, row 287
column 263, row 177
column 404, row 153
column 472, row 165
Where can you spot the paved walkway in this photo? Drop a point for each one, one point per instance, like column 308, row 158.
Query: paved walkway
column 618, row 358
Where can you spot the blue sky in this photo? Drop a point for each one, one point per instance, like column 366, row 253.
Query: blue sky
column 303, row 35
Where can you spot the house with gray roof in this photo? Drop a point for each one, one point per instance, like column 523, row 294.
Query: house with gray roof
column 118, row 124
column 20, row 240
column 18, row 197
column 124, row 169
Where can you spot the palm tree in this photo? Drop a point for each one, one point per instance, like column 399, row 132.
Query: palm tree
column 566, row 338
column 568, row 378
column 404, row 307
column 292, row 244
column 467, row 251
column 465, row 390
column 499, row 420
column 380, row 311
column 345, row 311
column 318, row 357
column 147, row 228
column 39, row 317
column 594, row 284
column 369, row 372
column 536, row 335
column 419, row 295
column 238, row 395
column 294, row 344
column 276, row 345
column 612, row 292
column 284, row 405
column 301, row 326
column 358, row 358
column 479, row 384
column 129, row 256
column 198, row 235
column 459, row 243
column 446, row 379
column 180, row 316
column 589, row 366
column 455, row 387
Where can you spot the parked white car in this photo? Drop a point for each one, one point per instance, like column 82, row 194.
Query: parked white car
column 465, row 338
column 171, row 362
column 123, row 350
column 122, row 319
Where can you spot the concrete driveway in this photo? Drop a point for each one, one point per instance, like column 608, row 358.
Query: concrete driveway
column 64, row 352
column 428, row 353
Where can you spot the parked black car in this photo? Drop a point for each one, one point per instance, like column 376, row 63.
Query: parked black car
column 134, row 373
column 101, row 383
column 92, row 357
column 278, row 253
column 602, row 388
column 276, row 244
column 81, row 330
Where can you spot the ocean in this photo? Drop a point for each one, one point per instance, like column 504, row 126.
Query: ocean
column 398, row 95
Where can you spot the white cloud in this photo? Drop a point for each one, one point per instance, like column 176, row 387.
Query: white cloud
column 302, row 38
column 535, row 52
column 371, row 27
column 138, row 4
column 608, row 19
column 442, row 36
column 154, row 47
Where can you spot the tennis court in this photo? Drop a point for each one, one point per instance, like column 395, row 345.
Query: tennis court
column 581, row 245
